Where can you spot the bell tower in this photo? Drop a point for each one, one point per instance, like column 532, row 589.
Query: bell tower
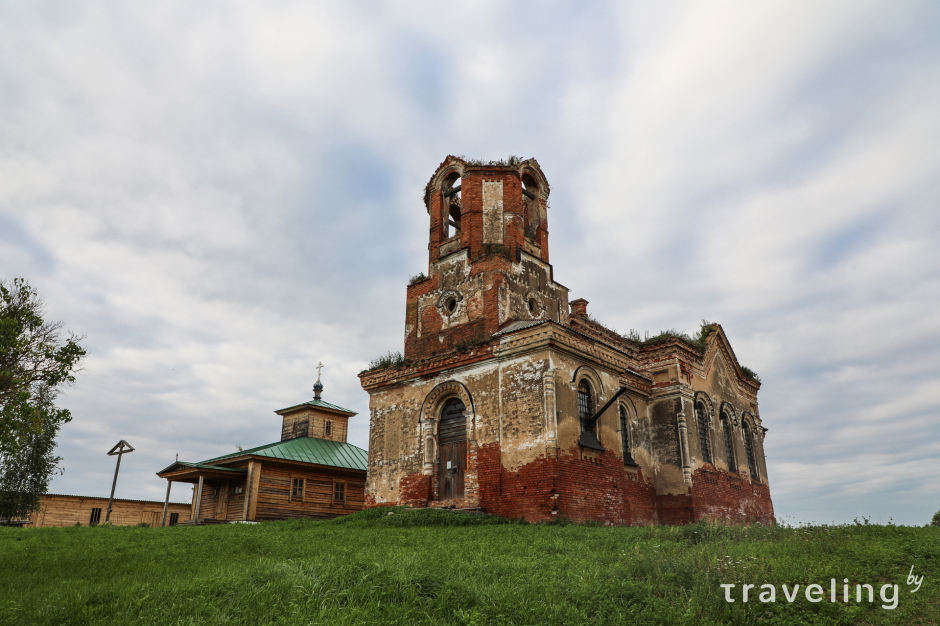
column 487, row 257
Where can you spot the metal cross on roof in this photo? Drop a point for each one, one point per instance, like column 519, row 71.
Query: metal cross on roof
column 319, row 367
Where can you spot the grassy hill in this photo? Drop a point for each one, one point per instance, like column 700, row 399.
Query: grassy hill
column 401, row 566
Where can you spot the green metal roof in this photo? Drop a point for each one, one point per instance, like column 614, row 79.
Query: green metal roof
column 318, row 403
column 181, row 464
column 308, row 450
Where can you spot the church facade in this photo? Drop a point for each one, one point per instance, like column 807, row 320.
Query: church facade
column 512, row 400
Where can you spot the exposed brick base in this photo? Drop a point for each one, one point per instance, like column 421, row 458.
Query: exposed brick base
column 590, row 488
column 729, row 497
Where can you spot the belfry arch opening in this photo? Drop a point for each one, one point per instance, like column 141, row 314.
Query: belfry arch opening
column 452, row 206
column 530, row 197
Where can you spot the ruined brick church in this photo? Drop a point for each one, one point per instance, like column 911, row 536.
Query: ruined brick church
column 511, row 399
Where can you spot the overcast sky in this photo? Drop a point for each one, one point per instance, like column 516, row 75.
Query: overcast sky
column 218, row 195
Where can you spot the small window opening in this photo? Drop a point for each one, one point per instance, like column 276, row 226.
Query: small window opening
column 451, row 305
column 95, row 516
column 701, row 419
column 328, row 428
column 174, row 519
column 534, row 307
column 339, row 492
column 237, row 489
column 297, row 488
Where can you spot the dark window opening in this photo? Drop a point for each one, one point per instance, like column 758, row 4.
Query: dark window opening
column 297, row 488
column 586, row 406
column 339, row 492
column 450, row 305
column 95, row 516
column 625, row 436
column 702, row 420
column 749, row 449
column 238, row 489
column 534, row 309
column 729, row 446
column 328, row 428
column 174, row 519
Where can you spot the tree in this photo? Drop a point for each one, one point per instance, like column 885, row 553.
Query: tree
column 25, row 472
column 34, row 362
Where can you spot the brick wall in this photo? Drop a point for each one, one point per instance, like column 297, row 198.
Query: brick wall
column 727, row 496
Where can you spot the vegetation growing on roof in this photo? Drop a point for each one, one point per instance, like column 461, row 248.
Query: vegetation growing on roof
column 603, row 325
column 699, row 341
column 391, row 359
column 511, row 161
column 749, row 373
column 417, row 278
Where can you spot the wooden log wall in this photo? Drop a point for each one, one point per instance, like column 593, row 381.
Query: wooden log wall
column 59, row 510
column 276, row 502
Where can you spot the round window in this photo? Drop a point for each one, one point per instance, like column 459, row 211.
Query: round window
column 450, row 304
column 533, row 307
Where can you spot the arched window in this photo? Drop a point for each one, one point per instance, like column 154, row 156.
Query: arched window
column 625, row 436
column 586, row 406
column 702, row 421
column 749, row 449
column 729, row 446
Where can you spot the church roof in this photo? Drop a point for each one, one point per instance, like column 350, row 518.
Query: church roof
column 307, row 450
column 320, row 404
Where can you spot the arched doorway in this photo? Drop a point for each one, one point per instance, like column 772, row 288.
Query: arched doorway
column 452, row 449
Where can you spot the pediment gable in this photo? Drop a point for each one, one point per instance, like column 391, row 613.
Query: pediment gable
column 721, row 361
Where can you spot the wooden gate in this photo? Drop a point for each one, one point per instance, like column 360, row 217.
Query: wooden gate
column 452, row 446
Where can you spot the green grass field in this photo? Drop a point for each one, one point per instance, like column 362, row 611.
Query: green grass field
column 440, row 567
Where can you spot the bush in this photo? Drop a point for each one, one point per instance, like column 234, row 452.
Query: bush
column 936, row 519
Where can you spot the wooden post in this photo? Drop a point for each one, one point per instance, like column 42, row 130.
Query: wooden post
column 255, row 491
column 166, row 503
column 198, row 501
column 251, row 467
column 251, row 490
